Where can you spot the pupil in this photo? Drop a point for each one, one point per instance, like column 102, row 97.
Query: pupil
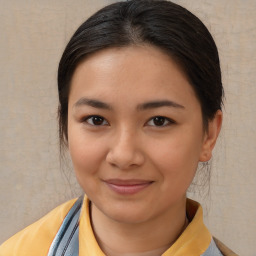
column 159, row 120
column 97, row 120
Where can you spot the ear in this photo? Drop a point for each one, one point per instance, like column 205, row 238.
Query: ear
column 211, row 136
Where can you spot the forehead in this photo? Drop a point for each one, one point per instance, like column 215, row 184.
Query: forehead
column 133, row 72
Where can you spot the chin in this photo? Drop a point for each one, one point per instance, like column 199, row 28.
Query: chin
column 130, row 219
column 127, row 214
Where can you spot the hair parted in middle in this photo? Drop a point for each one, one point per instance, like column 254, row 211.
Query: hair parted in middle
column 163, row 24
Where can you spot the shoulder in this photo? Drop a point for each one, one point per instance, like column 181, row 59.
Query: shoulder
column 223, row 248
column 199, row 235
column 36, row 238
column 217, row 248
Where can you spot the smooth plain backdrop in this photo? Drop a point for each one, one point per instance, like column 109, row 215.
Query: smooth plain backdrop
column 33, row 34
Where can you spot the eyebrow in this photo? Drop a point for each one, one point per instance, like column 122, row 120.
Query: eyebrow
column 92, row 103
column 144, row 106
column 159, row 104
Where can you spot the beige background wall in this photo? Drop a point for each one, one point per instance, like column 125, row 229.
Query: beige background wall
column 33, row 34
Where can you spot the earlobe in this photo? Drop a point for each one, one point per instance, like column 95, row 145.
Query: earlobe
column 210, row 138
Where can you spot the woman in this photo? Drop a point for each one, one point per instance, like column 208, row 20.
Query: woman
column 140, row 97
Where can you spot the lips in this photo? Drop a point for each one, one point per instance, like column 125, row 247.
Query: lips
column 127, row 187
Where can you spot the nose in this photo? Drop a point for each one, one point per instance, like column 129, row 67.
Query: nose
column 125, row 151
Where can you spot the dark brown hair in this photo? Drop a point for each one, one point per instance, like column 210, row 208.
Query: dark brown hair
column 163, row 24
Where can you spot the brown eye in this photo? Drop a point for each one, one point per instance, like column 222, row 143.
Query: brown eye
column 159, row 121
column 96, row 121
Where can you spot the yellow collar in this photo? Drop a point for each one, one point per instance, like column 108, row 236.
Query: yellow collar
column 193, row 241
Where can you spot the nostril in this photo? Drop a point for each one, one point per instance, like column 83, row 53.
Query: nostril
column 124, row 159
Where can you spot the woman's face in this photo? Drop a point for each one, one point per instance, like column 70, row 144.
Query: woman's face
column 135, row 132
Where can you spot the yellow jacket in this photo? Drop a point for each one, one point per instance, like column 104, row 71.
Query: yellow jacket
column 37, row 239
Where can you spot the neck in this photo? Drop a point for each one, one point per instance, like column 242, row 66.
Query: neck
column 150, row 238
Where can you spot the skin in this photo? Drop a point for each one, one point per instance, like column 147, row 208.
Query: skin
column 126, row 147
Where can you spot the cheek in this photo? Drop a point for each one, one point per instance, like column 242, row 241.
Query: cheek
column 85, row 155
column 177, row 159
column 86, row 152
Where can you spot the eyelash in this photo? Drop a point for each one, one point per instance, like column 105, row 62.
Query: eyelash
column 86, row 120
column 166, row 121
